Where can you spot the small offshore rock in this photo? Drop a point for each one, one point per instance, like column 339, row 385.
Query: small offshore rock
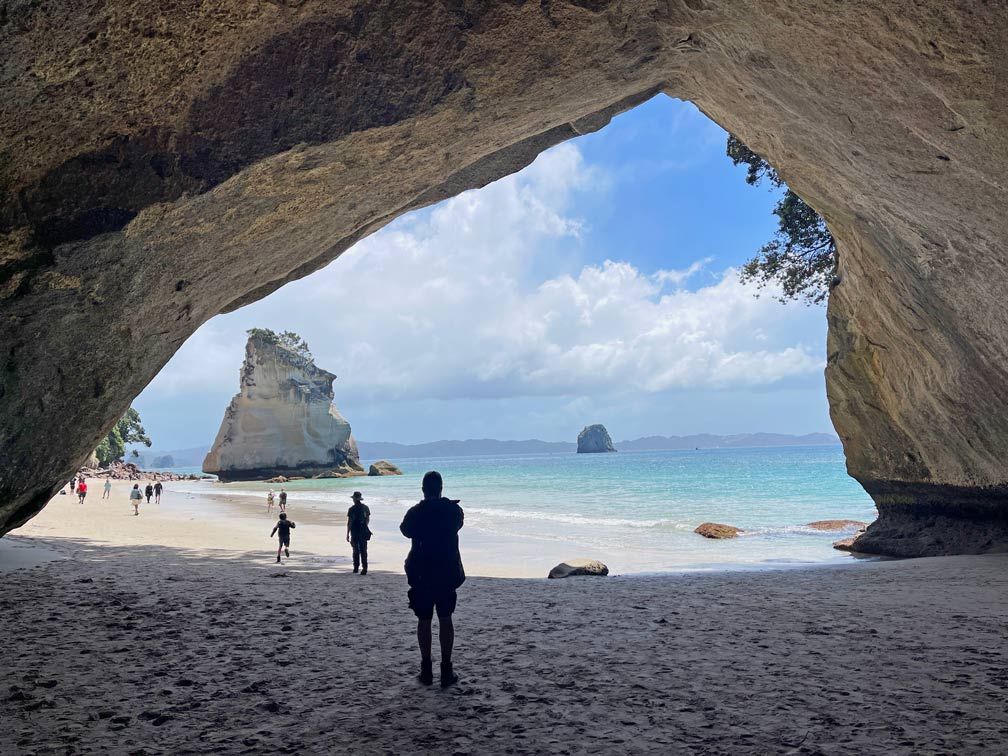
column 836, row 524
column 717, row 530
column 383, row 467
column 577, row 567
column 594, row 439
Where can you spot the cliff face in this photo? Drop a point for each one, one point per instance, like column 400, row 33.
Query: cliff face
column 594, row 439
column 282, row 421
column 159, row 168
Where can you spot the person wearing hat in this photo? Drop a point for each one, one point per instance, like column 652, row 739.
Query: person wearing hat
column 358, row 532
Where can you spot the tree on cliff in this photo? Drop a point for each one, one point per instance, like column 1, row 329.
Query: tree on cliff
column 127, row 431
column 802, row 256
column 287, row 339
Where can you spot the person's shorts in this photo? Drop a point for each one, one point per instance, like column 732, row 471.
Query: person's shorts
column 284, row 540
column 423, row 602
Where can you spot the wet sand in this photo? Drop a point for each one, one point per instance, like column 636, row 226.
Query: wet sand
column 138, row 644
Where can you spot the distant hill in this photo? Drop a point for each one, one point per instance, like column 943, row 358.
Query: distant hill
column 152, row 459
column 474, row 447
column 469, row 448
column 370, row 450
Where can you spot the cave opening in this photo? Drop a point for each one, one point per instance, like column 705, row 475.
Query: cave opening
column 600, row 283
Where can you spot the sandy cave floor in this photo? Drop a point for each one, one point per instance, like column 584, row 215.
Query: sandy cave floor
column 159, row 650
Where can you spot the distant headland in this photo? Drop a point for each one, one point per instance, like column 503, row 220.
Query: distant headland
column 371, row 450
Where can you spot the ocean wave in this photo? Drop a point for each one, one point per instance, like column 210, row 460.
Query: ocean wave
column 574, row 518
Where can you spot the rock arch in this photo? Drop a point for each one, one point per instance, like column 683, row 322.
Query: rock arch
column 157, row 168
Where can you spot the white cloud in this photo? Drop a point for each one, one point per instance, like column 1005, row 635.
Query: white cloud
column 478, row 298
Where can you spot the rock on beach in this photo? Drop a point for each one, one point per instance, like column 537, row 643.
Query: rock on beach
column 836, row 524
column 578, row 567
column 383, row 467
column 717, row 530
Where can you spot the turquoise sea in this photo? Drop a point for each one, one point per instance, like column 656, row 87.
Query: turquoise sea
column 634, row 510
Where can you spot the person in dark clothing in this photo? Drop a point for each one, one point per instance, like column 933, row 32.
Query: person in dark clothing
column 148, row 492
column 158, row 488
column 358, row 532
column 284, row 526
column 434, row 572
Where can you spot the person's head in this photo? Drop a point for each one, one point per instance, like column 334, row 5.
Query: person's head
column 432, row 485
column 357, row 497
column 136, row 486
column 283, row 515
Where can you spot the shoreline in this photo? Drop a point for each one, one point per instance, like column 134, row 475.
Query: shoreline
column 205, row 515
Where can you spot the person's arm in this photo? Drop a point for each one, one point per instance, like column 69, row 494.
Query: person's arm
column 274, row 530
column 348, row 527
column 292, row 524
column 367, row 517
column 407, row 524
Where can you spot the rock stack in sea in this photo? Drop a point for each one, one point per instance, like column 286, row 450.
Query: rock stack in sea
column 383, row 467
column 594, row 439
column 282, row 422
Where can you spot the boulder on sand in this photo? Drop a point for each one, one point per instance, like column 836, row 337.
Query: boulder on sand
column 591, row 567
column 836, row 524
column 383, row 467
column 717, row 530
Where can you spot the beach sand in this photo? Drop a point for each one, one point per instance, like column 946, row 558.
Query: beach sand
column 155, row 635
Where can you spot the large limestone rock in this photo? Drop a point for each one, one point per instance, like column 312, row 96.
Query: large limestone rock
column 159, row 168
column 282, row 422
column 594, row 439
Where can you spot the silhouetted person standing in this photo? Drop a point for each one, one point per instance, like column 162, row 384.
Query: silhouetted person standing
column 358, row 532
column 434, row 571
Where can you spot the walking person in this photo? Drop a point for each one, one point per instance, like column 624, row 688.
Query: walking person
column 283, row 500
column 149, row 491
column 82, row 489
column 284, row 526
column 269, row 502
column 358, row 532
column 108, row 489
column 135, row 497
column 158, row 488
column 434, row 572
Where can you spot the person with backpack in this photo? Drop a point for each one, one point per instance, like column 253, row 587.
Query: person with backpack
column 358, row 532
column 135, row 497
column 434, row 572
column 284, row 526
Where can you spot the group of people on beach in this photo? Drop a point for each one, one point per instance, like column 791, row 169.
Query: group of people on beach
column 78, row 485
column 433, row 566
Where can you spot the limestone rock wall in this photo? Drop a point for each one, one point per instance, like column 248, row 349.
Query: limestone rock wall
column 158, row 167
column 282, row 421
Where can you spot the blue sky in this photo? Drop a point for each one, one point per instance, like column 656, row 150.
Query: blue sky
column 597, row 285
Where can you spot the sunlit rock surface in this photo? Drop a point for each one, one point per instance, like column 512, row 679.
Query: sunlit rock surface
column 282, row 422
column 159, row 168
